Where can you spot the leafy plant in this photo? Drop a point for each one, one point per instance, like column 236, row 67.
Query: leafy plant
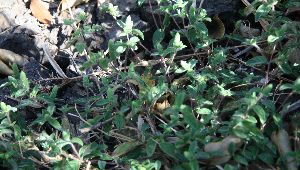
column 186, row 115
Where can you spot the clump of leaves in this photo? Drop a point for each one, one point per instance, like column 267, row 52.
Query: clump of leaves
column 197, row 126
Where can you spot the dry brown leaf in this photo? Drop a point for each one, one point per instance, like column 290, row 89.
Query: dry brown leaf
column 9, row 57
column 282, row 142
column 40, row 12
column 215, row 28
column 64, row 5
column 292, row 10
column 4, row 69
column 222, row 146
column 245, row 32
column 294, row 56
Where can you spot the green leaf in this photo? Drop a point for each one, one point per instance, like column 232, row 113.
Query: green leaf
column 53, row 92
column 261, row 11
column 260, row 113
column 77, row 140
column 177, row 43
column 3, row 131
column 219, row 57
column 216, row 153
column 266, row 158
column 240, row 159
column 87, row 149
column 138, row 32
column 110, row 95
column 103, row 62
column 296, row 84
column 201, row 28
column 82, row 16
column 112, row 54
column 93, row 58
column 272, row 38
column 156, row 92
column 119, row 121
column 272, row 147
column 269, row 104
column 24, row 103
column 158, row 36
column 169, row 50
column 101, row 164
column 257, row 132
column 194, row 164
column 80, row 47
column 256, row 60
column 190, row 119
column 69, row 22
column 102, row 102
column 190, row 65
column 230, row 167
column 16, row 71
column 45, row 98
column 80, row 100
column 93, row 98
column 17, row 132
column 166, row 21
column 240, row 132
column 192, row 16
column 231, row 148
column 24, row 81
column 3, row 107
column 125, row 147
column 168, row 148
column 235, row 37
column 66, row 135
column 157, row 165
column 286, row 86
column 7, row 83
column 278, row 120
column 267, row 90
column 55, row 124
column 151, row 146
column 72, row 165
column 204, row 111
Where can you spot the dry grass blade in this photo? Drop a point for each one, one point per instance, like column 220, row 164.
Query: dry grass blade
column 40, row 12
column 53, row 62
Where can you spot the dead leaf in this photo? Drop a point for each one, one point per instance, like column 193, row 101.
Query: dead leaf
column 4, row 69
column 215, row 28
column 292, row 10
column 294, row 55
column 222, row 146
column 9, row 57
column 40, row 12
column 282, row 142
column 64, row 5
column 245, row 32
